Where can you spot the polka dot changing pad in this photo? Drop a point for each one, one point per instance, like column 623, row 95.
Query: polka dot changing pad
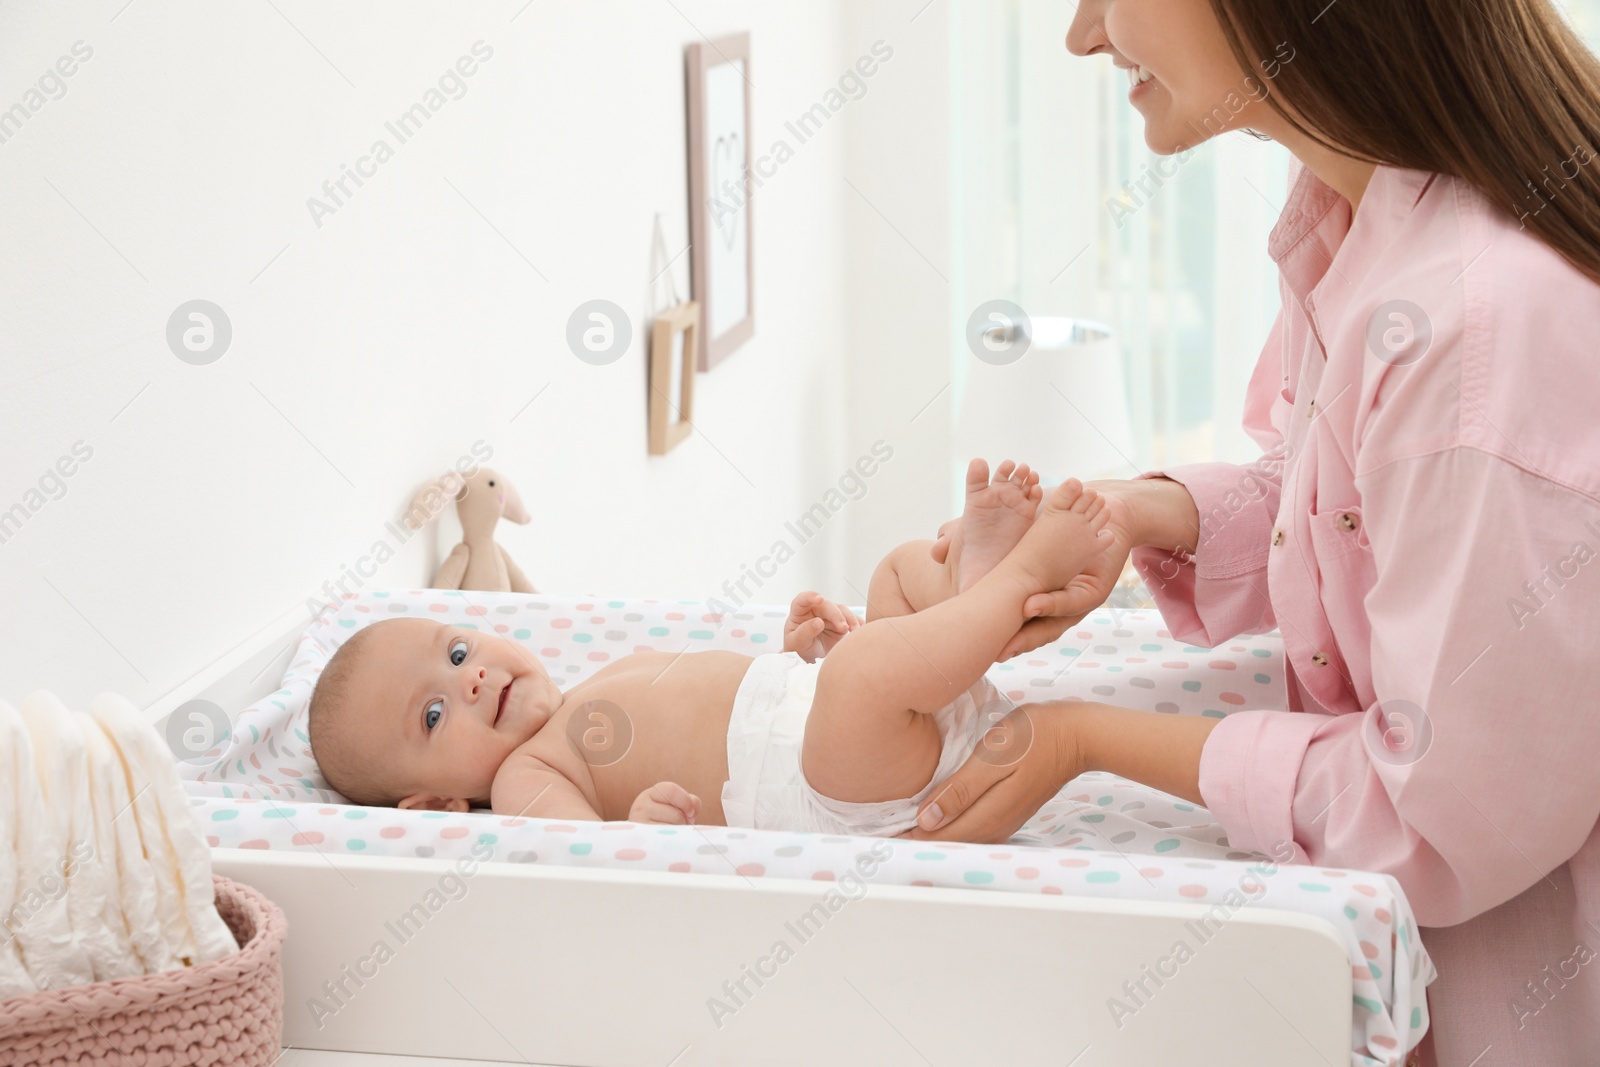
column 1100, row 836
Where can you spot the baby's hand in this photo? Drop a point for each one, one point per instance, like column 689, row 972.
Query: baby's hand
column 665, row 802
column 815, row 625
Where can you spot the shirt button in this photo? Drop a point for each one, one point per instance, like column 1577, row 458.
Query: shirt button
column 1349, row 521
column 1277, row 536
column 1320, row 659
column 1311, row 410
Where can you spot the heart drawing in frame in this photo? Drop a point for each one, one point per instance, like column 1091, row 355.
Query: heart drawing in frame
column 727, row 155
column 722, row 255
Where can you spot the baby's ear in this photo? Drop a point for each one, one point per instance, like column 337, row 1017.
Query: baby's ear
column 431, row 802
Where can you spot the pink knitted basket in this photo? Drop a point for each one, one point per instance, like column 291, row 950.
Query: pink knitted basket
column 227, row 1012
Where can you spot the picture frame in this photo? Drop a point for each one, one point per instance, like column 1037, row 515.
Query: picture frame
column 722, row 248
column 674, row 352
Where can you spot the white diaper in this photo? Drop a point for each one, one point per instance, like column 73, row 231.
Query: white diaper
column 766, row 789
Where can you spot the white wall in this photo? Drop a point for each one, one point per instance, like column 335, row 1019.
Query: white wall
column 371, row 352
column 903, row 321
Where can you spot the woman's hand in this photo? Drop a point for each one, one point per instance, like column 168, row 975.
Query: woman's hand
column 1057, row 612
column 1020, row 763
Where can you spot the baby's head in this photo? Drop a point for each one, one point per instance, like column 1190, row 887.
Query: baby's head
column 416, row 714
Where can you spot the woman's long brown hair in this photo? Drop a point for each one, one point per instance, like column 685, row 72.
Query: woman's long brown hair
column 1499, row 93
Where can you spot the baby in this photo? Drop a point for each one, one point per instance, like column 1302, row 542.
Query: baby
column 419, row 714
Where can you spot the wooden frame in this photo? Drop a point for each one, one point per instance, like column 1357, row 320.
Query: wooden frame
column 666, row 431
column 530, row 966
column 719, row 178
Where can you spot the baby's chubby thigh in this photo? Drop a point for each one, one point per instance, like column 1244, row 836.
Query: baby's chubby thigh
column 863, row 745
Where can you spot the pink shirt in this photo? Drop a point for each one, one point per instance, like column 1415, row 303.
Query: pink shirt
column 1425, row 532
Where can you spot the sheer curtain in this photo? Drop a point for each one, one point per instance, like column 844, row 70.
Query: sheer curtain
column 1061, row 209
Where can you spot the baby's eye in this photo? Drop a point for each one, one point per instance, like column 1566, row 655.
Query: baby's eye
column 431, row 714
column 458, row 653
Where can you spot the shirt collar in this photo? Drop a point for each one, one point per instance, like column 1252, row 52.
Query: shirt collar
column 1316, row 220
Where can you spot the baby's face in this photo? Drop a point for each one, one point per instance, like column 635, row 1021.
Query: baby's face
column 443, row 707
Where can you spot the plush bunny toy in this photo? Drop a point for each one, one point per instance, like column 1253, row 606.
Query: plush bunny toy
column 477, row 562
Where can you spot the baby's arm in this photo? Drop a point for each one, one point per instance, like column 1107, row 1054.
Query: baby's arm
column 666, row 803
column 815, row 624
column 533, row 789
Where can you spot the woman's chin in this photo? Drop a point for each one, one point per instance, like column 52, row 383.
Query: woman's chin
column 1165, row 142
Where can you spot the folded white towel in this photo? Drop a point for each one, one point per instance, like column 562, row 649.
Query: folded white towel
column 133, row 899
column 14, row 978
column 60, row 756
column 44, row 934
column 180, row 859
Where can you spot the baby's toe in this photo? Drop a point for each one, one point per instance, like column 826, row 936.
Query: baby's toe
column 977, row 475
column 1086, row 500
column 1066, row 494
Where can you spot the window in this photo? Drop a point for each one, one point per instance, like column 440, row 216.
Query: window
column 1061, row 209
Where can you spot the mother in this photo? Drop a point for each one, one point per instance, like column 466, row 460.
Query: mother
column 1424, row 523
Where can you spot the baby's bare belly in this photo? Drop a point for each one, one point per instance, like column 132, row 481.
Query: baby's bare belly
column 650, row 717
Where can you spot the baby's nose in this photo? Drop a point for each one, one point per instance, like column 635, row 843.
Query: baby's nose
column 473, row 680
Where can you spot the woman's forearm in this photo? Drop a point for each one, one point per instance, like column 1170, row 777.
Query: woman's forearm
column 1161, row 512
column 1162, row 751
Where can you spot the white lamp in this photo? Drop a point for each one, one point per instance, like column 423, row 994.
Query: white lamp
column 1048, row 391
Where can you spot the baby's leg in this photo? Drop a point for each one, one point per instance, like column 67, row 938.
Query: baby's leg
column 908, row 580
column 998, row 513
column 870, row 735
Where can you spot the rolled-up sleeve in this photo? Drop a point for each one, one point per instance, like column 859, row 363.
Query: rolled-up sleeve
column 1221, row 590
column 1484, row 631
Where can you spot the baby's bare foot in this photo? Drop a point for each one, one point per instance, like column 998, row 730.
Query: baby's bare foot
column 997, row 514
column 1068, row 534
